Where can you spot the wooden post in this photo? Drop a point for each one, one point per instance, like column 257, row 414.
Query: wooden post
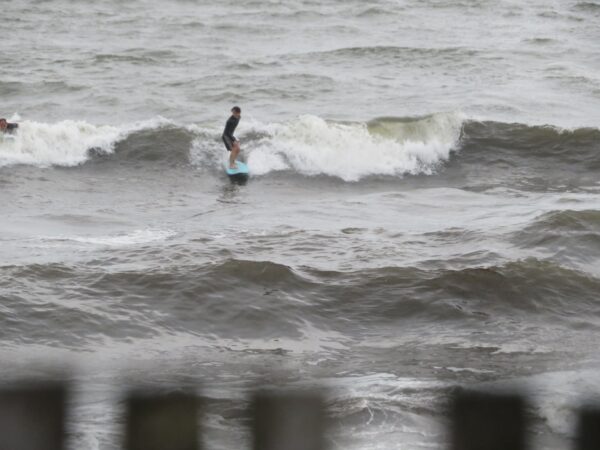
column 32, row 418
column 162, row 422
column 485, row 421
column 588, row 433
column 288, row 422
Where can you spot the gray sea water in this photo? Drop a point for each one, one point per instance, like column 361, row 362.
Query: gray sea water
column 422, row 210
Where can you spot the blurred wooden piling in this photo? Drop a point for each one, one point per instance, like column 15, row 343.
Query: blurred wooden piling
column 288, row 422
column 33, row 418
column 588, row 433
column 162, row 422
column 483, row 421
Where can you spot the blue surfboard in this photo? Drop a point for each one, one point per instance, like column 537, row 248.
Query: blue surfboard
column 240, row 172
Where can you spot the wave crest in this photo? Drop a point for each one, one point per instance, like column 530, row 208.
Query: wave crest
column 312, row 146
column 351, row 151
column 67, row 143
column 63, row 143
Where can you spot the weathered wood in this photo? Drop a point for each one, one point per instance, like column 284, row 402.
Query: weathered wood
column 32, row 418
column 588, row 432
column 162, row 422
column 484, row 421
column 288, row 422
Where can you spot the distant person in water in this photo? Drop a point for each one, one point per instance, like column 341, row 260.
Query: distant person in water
column 231, row 143
column 6, row 127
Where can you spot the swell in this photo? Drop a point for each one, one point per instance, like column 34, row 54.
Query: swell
column 538, row 289
column 567, row 221
column 258, row 299
column 492, row 141
column 589, row 7
column 527, row 158
column 426, row 144
column 167, row 145
column 569, row 234
column 396, row 52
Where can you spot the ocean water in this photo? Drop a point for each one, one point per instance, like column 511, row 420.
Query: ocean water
column 423, row 210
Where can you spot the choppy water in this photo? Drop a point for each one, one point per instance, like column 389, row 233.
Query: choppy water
column 422, row 211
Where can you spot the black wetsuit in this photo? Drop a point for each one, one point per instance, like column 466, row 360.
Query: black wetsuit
column 10, row 127
column 228, row 137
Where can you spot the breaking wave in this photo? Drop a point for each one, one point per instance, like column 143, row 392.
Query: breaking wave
column 312, row 146
column 67, row 143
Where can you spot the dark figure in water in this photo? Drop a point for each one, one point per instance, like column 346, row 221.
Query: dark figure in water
column 231, row 142
column 6, row 127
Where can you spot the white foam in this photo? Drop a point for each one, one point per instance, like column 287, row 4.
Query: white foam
column 118, row 240
column 312, row 146
column 559, row 395
column 308, row 145
column 65, row 143
column 465, row 369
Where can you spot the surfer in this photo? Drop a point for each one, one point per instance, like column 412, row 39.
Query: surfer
column 6, row 127
column 231, row 143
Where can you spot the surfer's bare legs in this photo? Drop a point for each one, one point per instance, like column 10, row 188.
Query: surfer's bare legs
column 235, row 151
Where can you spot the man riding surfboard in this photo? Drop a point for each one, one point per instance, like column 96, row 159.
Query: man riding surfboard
column 231, row 142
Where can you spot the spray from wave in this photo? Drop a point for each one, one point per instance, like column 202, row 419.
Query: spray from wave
column 66, row 143
column 308, row 145
column 312, row 146
column 351, row 151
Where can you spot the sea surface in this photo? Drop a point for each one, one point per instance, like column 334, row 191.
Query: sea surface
column 423, row 210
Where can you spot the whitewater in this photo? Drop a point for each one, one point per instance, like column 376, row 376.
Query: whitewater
column 308, row 145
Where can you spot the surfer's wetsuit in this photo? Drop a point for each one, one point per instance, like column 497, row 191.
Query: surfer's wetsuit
column 228, row 137
column 10, row 128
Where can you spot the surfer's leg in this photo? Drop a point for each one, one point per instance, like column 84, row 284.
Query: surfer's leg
column 235, row 151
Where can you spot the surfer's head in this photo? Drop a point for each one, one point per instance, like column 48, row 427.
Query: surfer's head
column 236, row 111
column 3, row 124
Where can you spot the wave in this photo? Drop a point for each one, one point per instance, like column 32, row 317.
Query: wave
column 395, row 52
column 383, row 295
column 517, row 288
column 587, row 7
column 312, row 146
column 523, row 145
column 573, row 235
column 16, row 88
column 247, row 299
column 396, row 146
column 67, row 143
column 567, row 221
column 136, row 237
column 168, row 145
column 373, row 11
column 64, row 143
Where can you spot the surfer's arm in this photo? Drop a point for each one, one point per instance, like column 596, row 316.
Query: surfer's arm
column 229, row 134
